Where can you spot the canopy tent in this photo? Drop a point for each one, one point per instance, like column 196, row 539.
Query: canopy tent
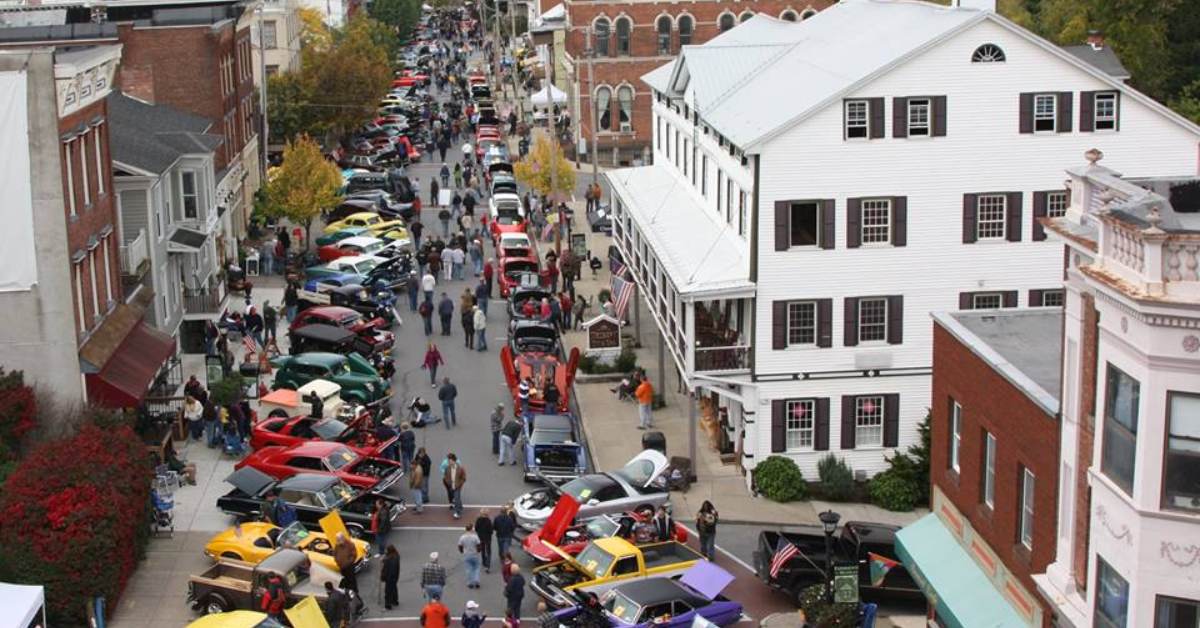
column 547, row 95
column 23, row 605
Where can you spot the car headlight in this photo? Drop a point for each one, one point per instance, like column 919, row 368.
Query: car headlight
column 370, row 387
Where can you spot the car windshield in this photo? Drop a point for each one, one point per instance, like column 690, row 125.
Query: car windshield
column 329, row 429
column 550, row 436
column 595, row 560
column 339, row 458
column 514, row 268
column 621, row 607
column 365, row 266
column 337, row 494
column 371, row 220
column 508, row 219
column 602, row 527
column 349, row 319
column 637, row 472
column 585, row 487
column 372, row 248
column 292, row 536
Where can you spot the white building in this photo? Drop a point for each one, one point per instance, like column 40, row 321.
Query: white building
column 1128, row 548
column 820, row 187
column 333, row 12
column 276, row 37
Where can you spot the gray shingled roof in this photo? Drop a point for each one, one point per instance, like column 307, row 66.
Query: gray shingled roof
column 1103, row 59
column 152, row 137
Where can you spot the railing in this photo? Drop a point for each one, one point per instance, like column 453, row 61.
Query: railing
column 1181, row 261
column 204, row 302
column 135, row 254
column 736, row 358
column 1127, row 248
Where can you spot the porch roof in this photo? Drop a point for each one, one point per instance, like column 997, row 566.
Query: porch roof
column 701, row 254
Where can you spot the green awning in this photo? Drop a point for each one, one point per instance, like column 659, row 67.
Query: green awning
column 955, row 585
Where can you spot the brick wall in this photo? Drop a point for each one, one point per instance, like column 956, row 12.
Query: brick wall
column 1026, row 437
column 1089, row 338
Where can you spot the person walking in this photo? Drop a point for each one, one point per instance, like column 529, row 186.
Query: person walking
column 506, row 564
column 416, row 228
column 489, row 271
column 433, row 359
column 447, row 394
column 193, row 413
column 504, row 525
column 433, row 578
column 496, row 421
column 336, row 608
column 446, row 312
column 416, row 484
column 413, row 285
column 447, row 257
column 480, row 324
column 408, row 443
column 523, row 390
column 381, row 525
column 472, row 618
column 345, row 555
column 482, row 296
column 483, row 529
column 706, row 527
column 453, row 478
column 435, row 614
column 428, row 283
column 291, row 299
column 645, row 399
column 426, row 312
column 565, row 306
column 514, row 591
column 468, row 546
column 434, row 188
column 426, row 463
column 254, row 325
column 509, row 435
column 467, row 317
column 389, row 575
column 270, row 322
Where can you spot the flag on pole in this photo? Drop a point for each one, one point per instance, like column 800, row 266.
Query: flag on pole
column 616, row 266
column 880, row 566
column 622, row 292
column 784, row 551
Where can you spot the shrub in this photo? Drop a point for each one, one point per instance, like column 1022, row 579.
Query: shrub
column 893, row 490
column 603, row 296
column 18, row 408
column 227, row 391
column 625, row 363
column 837, row 478
column 819, row 611
column 780, row 479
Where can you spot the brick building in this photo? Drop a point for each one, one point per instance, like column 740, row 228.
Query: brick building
column 631, row 39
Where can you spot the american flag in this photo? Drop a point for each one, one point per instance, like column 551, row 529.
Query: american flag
column 622, row 292
column 616, row 266
column 248, row 342
column 783, row 553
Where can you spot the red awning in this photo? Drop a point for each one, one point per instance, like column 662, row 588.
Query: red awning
column 128, row 373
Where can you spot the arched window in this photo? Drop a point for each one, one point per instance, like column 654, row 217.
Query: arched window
column 788, row 16
column 988, row 53
column 727, row 21
column 603, row 115
column 809, row 12
column 685, row 30
column 601, row 28
column 745, row 16
column 625, row 101
column 624, row 27
column 663, row 27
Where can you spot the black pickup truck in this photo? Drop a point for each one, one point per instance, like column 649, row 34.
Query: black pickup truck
column 851, row 544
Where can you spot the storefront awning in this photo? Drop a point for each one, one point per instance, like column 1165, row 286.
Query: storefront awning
column 956, row 587
column 124, row 379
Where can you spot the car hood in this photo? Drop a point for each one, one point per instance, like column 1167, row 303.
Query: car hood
column 560, row 519
column 250, row 481
column 707, row 579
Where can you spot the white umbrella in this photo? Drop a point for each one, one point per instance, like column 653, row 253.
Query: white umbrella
column 548, row 94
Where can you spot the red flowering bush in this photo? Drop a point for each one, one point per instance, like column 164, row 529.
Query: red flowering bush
column 18, row 408
column 74, row 518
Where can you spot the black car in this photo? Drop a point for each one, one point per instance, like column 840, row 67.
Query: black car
column 313, row 496
column 367, row 181
column 354, row 296
column 534, row 336
column 327, row 339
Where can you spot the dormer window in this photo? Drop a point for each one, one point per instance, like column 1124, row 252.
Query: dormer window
column 988, row 53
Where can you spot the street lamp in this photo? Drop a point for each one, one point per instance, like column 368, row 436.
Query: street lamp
column 829, row 521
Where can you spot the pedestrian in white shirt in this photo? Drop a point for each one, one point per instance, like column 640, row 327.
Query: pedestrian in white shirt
column 428, row 283
column 448, row 263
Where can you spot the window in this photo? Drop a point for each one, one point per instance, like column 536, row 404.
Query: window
column 809, row 12
column 625, row 101
column 694, row 163
column 1119, row 450
column 856, row 119
column 663, row 26
column 742, row 214
column 726, row 22
column 1057, row 203
column 986, row 301
column 83, row 170
column 991, row 217
column 623, row 28
column 729, row 200
column 1027, row 493
column 686, row 26
column 67, row 159
column 720, row 187
column 872, row 320
column 603, row 115
column 1106, row 111
column 272, row 70
column 704, row 175
column 79, row 296
column 955, row 434
column 876, row 221
column 268, row 35
column 105, row 243
column 988, row 53
column 1052, row 298
column 805, row 223
column 788, row 16
column 91, row 258
column 745, row 16
column 802, row 323
column 918, row 116
column 800, row 423
column 989, row 470
column 1181, row 473
column 868, row 421
column 1045, row 116
column 601, row 28
column 99, row 162
column 1112, row 596
column 189, row 197
column 1172, row 612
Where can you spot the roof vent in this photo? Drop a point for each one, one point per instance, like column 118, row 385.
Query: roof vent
column 978, row 5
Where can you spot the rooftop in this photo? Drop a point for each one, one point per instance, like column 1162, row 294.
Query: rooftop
column 151, row 137
column 1102, row 58
column 1024, row 346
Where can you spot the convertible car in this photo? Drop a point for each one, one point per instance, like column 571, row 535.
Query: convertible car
column 374, row 223
column 253, row 541
column 639, row 486
column 563, row 531
column 672, row 602
column 291, row 431
column 378, row 475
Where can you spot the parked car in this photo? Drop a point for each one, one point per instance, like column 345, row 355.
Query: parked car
column 377, row 475
column 360, row 245
column 671, row 602
column 513, row 271
column 600, row 220
column 373, row 222
column 515, row 244
column 553, row 451
column 376, row 307
column 604, row 564
column 373, row 330
column 530, row 294
column 254, row 541
column 358, row 265
column 534, row 336
column 341, row 234
column 232, row 584
column 570, row 535
column 360, row 381
column 367, row 181
column 354, row 432
column 290, row 403
column 638, row 486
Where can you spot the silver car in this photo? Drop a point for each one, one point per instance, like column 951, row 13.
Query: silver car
column 639, row 485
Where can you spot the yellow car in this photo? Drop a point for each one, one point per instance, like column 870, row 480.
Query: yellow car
column 305, row 614
column 253, row 541
column 373, row 222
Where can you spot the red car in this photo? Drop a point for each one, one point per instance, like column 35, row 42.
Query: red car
column 511, row 271
column 289, row 431
column 506, row 223
column 562, row 531
column 378, row 475
column 348, row 319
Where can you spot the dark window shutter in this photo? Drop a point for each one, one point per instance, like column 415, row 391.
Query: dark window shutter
column 853, row 223
column 1026, row 113
column 821, row 426
column 828, row 216
column 778, row 425
column 891, row 420
column 899, row 220
column 970, row 207
column 1010, row 298
column 1014, row 217
column 1118, row 110
column 1066, row 112
column 824, row 323
column 939, row 116
column 850, row 322
column 899, row 117
column 1039, row 211
column 783, row 221
column 875, row 107
column 847, row 422
column 1035, row 298
column 1087, row 112
column 964, row 300
column 779, row 325
column 895, row 319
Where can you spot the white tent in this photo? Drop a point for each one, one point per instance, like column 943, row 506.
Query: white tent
column 547, row 95
column 24, row 606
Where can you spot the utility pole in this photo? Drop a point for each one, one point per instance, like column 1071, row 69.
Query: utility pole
column 591, row 55
column 512, row 26
column 496, row 43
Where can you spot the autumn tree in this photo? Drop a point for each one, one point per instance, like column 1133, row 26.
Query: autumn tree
column 314, row 33
column 304, row 185
column 546, row 170
column 289, row 106
column 345, row 83
column 400, row 15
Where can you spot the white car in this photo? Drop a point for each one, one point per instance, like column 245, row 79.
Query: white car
column 506, row 203
column 515, row 244
column 639, row 485
column 291, row 403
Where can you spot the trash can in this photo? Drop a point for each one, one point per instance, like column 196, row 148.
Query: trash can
column 654, row 440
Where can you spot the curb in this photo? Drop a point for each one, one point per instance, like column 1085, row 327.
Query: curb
column 598, row 378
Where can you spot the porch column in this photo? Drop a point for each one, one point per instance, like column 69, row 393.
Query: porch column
column 662, row 364
column 689, row 337
column 637, row 315
column 692, row 431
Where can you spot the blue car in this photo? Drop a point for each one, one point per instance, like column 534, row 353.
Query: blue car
column 668, row 602
column 553, row 451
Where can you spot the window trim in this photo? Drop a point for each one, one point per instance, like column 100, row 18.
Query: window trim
column 721, row 19
column 625, row 126
column 818, row 225
column 1159, row 599
column 1041, row 117
column 624, row 44
column 926, row 129
column 1164, row 504
column 1112, row 119
column 1109, row 391
column 607, row 37
column 184, row 195
column 1101, row 619
column 812, row 429
column 862, row 222
column 956, row 425
column 600, row 124
column 981, row 54
column 883, row 326
column 987, row 492
column 816, row 324
column 848, row 124
column 975, row 296
column 979, row 220
column 689, row 33
column 1025, row 516
column 659, row 34
column 1062, row 195
column 881, row 412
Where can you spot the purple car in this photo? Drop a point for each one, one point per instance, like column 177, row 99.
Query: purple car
column 662, row 602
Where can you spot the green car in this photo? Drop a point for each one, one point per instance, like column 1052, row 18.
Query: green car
column 359, row 380
column 342, row 234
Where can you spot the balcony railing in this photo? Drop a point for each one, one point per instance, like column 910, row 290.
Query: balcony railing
column 736, row 358
column 135, row 256
column 210, row 301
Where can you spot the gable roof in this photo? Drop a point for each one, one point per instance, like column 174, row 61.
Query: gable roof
column 1104, row 59
column 150, row 138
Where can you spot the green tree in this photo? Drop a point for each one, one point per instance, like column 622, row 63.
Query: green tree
column 401, row 15
column 289, row 106
column 305, row 184
column 546, row 170
column 344, row 84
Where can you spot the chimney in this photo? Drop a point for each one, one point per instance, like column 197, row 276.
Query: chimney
column 1095, row 39
column 977, row 5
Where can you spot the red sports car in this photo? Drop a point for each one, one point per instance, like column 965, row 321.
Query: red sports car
column 511, row 271
column 372, row 330
column 289, row 431
column 378, row 475
column 562, row 531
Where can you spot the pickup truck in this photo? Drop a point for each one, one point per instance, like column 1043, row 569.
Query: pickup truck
column 604, row 564
column 851, row 545
column 236, row 585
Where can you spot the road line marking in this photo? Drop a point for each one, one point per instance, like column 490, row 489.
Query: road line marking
column 727, row 553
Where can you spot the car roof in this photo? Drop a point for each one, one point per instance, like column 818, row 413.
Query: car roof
column 360, row 241
column 308, row 482
column 323, row 388
column 328, row 333
column 554, row 422
column 354, row 259
column 319, row 357
column 361, row 216
column 655, row 591
column 332, row 311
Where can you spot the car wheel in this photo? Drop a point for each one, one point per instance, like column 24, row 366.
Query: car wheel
column 233, row 555
column 216, row 603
